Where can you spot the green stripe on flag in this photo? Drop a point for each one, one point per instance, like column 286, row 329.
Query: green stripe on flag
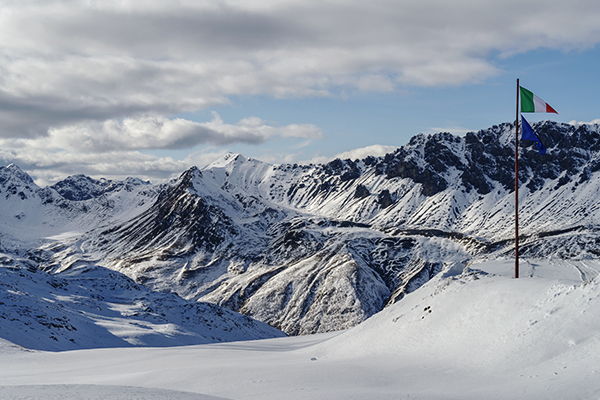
column 527, row 104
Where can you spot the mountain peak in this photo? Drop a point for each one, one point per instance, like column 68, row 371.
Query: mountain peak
column 14, row 175
column 82, row 187
column 227, row 159
column 230, row 161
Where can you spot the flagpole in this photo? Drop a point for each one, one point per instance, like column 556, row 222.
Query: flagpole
column 517, row 186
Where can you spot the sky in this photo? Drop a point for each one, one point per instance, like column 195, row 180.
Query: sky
column 150, row 88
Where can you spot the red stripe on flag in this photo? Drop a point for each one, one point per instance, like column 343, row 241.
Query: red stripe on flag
column 549, row 109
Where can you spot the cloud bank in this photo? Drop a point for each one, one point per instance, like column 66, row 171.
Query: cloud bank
column 70, row 61
column 91, row 72
column 155, row 132
column 113, row 148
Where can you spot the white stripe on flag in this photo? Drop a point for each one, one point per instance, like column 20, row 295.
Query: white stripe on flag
column 540, row 105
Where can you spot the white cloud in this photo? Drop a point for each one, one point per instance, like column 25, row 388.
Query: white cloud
column 85, row 85
column 155, row 132
column 376, row 150
column 592, row 122
column 49, row 167
column 111, row 148
column 63, row 62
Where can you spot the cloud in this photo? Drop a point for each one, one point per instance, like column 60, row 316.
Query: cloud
column 47, row 167
column 155, row 132
column 577, row 123
column 65, row 62
column 376, row 150
column 114, row 149
column 86, row 85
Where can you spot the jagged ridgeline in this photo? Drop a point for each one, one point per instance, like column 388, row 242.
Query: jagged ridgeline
column 316, row 248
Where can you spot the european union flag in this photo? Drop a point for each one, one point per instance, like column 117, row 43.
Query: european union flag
column 528, row 134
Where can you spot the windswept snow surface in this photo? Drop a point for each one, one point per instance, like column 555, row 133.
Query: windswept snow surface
column 471, row 332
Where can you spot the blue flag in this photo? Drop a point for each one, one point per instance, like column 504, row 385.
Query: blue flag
column 528, row 134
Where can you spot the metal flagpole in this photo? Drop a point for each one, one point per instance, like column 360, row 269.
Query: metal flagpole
column 517, row 186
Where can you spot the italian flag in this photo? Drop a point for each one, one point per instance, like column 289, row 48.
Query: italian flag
column 531, row 103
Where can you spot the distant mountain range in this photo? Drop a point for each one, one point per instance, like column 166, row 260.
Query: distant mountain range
column 316, row 248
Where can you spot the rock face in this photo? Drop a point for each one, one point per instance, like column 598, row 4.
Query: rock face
column 81, row 187
column 316, row 248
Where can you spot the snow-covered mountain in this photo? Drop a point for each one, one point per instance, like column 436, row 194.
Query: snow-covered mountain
column 93, row 307
column 316, row 248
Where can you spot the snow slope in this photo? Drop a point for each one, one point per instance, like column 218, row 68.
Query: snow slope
column 93, row 307
column 472, row 332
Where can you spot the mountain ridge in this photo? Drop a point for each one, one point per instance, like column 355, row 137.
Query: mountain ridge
column 321, row 247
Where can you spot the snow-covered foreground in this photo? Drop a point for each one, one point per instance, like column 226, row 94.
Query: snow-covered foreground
column 469, row 333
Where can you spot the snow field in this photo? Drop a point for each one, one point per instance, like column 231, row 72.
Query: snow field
column 470, row 333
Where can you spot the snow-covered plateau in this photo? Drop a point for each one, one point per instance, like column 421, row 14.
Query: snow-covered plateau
column 471, row 332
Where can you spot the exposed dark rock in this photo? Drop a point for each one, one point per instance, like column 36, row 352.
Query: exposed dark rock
column 82, row 187
column 199, row 224
column 361, row 192
column 384, row 199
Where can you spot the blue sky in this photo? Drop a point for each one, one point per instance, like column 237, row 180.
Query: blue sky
column 149, row 88
column 568, row 80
